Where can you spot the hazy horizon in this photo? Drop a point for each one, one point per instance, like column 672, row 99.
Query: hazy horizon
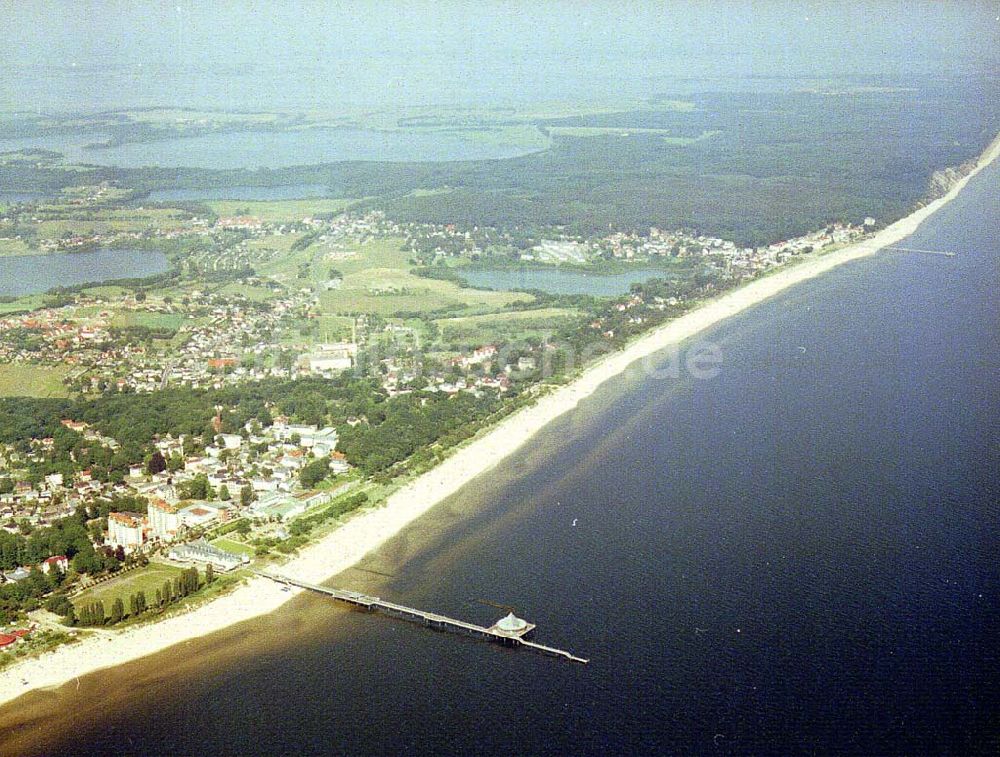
column 320, row 56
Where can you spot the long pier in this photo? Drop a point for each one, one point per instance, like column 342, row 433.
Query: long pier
column 512, row 633
column 922, row 252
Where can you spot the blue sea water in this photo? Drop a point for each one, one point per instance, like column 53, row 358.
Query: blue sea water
column 797, row 556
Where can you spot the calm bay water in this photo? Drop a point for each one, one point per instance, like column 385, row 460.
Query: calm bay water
column 29, row 274
column 271, row 149
column 797, row 556
column 560, row 281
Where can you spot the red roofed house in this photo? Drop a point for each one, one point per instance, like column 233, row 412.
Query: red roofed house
column 6, row 639
column 338, row 463
column 57, row 562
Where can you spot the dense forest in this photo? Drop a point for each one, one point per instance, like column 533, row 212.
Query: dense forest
column 393, row 428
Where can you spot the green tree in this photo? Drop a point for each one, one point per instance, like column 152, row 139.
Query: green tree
column 117, row 611
column 314, row 472
column 246, row 495
column 59, row 604
column 209, row 574
column 197, row 488
column 224, row 493
column 156, row 463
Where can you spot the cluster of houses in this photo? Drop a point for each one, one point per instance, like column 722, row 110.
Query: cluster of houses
column 48, row 336
column 264, row 463
column 745, row 261
column 211, row 355
column 53, row 497
column 329, row 359
column 213, row 349
column 233, row 463
column 58, row 563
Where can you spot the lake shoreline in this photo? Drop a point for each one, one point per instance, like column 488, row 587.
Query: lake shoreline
column 372, row 528
column 82, row 269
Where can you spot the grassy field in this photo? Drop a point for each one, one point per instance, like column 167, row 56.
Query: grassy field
column 378, row 280
column 279, row 210
column 379, row 253
column 516, row 326
column 107, row 221
column 147, row 579
column 252, row 293
column 19, row 380
column 28, row 302
column 390, row 291
column 10, row 246
column 324, row 329
column 235, row 547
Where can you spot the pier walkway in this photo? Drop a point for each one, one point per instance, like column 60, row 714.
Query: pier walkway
column 922, row 252
column 508, row 630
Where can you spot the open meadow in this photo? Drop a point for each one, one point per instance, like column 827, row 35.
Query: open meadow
column 147, row 579
column 22, row 380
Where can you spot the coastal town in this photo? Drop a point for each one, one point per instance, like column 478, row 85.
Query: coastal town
column 377, row 309
column 268, row 326
column 488, row 378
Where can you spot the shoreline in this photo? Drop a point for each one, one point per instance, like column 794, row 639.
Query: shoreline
column 369, row 529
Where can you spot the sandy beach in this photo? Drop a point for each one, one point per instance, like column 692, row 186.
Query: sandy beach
column 371, row 528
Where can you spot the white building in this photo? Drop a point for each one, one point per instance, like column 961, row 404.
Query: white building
column 202, row 552
column 330, row 358
column 126, row 530
column 198, row 514
column 164, row 520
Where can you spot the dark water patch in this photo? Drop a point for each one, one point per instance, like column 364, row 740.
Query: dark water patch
column 30, row 274
column 271, row 149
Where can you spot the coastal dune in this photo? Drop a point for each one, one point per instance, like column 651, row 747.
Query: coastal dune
column 369, row 529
